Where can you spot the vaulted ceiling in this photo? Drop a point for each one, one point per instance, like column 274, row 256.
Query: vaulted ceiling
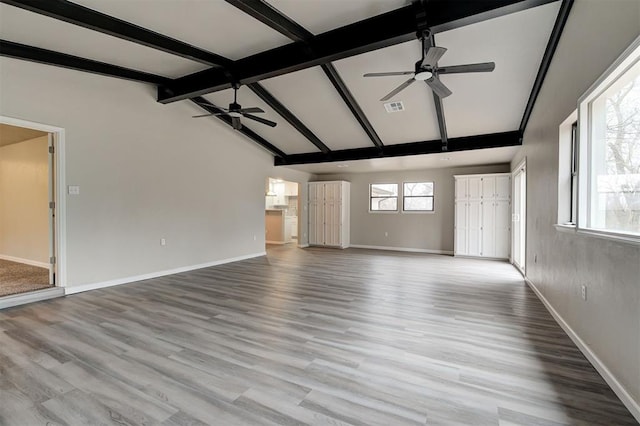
column 302, row 62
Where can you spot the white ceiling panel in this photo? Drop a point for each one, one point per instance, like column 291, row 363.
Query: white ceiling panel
column 494, row 102
column 284, row 135
column 311, row 97
column 319, row 16
column 415, row 162
column 32, row 29
column 418, row 122
column 212, row 25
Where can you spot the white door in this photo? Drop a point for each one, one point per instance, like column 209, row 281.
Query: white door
column 503, row 187
column 461, row 188
column 488, row 187
column 316, row 213
column 519, row 217
column 474, row 224
column 502, row 230
column 474, row 188
column 461, row 230
column 52, row 211
column 488, row 228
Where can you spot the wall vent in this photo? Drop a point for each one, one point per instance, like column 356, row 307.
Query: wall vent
column 396, row 106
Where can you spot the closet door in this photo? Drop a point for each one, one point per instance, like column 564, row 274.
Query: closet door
column 503, row 187
column 474, row 223
column 488, row 187
column 502, row 228
column 461, row 188
column 474, row 188
column 488, row 228
column 316, row 213
column 332, row 213
column 461, row 228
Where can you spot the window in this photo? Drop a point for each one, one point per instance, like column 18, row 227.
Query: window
column 574, row 173
column 383, row 197
column 417, row 197
column 609, row 152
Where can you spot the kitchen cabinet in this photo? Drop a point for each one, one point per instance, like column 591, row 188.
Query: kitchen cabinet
column 329, row 213
column 482, row 215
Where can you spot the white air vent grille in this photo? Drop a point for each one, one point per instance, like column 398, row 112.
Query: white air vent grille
column 394, row 106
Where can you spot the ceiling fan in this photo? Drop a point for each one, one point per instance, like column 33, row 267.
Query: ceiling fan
column 235, row 111
column 427, row 70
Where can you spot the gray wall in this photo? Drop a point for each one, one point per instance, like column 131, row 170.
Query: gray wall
column 146, row 171
column 609, row 321
column 429, row 231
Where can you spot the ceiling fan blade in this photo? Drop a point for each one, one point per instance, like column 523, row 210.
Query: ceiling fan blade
column 432, row 55
column 235, row 123
column 387, row 74
column 209, row 115
column 398, row 89
column 438, row 88
column 455, row 69
column 250, row 110
column 260, row 120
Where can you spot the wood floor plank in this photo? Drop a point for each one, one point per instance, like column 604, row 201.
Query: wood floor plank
column 303, row 337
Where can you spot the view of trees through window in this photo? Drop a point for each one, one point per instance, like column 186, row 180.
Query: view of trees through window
column 384, row 197
column 418, row 196
column 616, row 155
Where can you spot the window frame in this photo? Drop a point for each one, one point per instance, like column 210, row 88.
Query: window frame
column 433, row 199
column 397, row 196
column 629, row 58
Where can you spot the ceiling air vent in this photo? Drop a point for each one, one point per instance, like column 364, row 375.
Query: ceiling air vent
column 394, row 106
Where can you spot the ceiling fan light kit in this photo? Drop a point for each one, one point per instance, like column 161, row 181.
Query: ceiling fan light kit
column 427, row 70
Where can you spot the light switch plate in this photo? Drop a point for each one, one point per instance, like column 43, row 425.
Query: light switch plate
column 74, row 190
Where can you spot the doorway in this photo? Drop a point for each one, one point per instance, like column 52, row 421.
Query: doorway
column 519, row 216
column 29, row 199
column 281, row 212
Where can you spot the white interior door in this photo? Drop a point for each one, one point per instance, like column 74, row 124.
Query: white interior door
column 519, row 217
column 52, row 211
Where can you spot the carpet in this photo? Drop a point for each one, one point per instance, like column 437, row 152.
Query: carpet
column 18, row 278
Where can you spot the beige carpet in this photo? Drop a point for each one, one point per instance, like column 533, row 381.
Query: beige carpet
column 20, row 278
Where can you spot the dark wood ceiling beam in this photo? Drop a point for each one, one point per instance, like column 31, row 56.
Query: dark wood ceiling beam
column 268, row 15
column 279, row 154
column 380, row 31
column 275, row 19
column 494, row 140
column 49, row 57
column 351, row 103
column 270, row 100
column 558, row 27
column 96, row 21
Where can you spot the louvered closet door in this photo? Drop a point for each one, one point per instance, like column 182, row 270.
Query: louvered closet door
column 332, row 213
column 316, row 213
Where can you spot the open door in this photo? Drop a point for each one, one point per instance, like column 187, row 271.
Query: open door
column 52, row 209
column 519, row 216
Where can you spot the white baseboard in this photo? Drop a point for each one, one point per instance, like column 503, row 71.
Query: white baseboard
column 95, row 286
column 303, row 245
column 408, row 249
column 30, row 297
column 25, row 261
column 612, row 381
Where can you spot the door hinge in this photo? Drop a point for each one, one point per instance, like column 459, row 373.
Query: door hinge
column 52, row 260
column 52, row 204
column 51, row 149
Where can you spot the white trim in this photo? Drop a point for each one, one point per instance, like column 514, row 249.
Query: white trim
column 569, row 229
column 25, row 261
column 303, row 245
column 468, row 256
column 482, row 175
column 30, row 297
column 60, row 185
column 126, row 280
column 612, row 236
column 406, row 249
column 626, row 398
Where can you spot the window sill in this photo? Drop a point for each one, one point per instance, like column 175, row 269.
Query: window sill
column 611, row 236
column 571, row 229
column 418, row 212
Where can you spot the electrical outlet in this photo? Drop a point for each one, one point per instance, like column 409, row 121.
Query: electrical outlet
column 163, row 242
column 584, row 292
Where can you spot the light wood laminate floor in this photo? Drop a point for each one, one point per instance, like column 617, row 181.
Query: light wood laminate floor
column 313, row 336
